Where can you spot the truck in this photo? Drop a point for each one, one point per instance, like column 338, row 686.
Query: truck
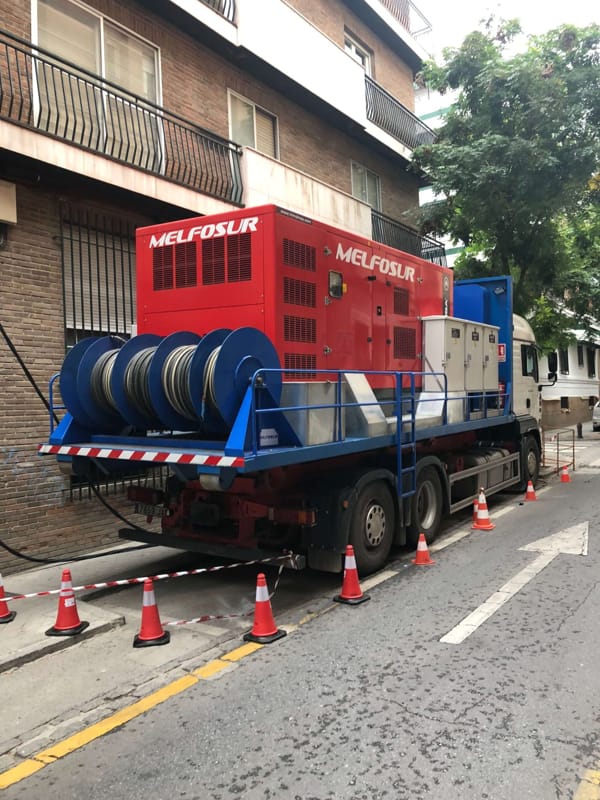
column 306, row 387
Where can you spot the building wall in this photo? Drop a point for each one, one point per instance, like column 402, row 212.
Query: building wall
column 38, row 513
column 572, row 397
column 334, row 18
column 195, row 81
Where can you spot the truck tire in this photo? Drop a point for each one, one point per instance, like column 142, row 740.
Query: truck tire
column 426, row 507
column 530, row 461
column 372, row 526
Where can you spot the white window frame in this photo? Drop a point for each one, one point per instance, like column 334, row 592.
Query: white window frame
column 357, row 164
column 255, row 106
column 358, row 52
column 102, row 20
column 105, row 18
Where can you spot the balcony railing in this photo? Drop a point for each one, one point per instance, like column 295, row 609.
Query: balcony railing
column 42, row 92
column 408, row 15
column 388, row 231
column 224, row 7
column 387, row 113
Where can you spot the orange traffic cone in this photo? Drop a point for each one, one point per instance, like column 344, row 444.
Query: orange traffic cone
column 264, row 629
column 423, row 558
column 6, row 615
column 564, row 475
column 475, row 507
column 484, row 522
column 530, row 493
column 67, row 619
column 151, row 630
column 351, row 592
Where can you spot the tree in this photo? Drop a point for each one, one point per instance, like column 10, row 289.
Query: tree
column 514, row 159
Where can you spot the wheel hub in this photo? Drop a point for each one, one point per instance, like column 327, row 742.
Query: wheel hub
column 375, row 525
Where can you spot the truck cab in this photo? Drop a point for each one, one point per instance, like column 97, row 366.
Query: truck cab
column 526, row 397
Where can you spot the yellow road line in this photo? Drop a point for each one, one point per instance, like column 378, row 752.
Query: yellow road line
column 589, row 788
column 40, row 760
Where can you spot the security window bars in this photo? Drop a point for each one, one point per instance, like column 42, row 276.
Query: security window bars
column 252, row 126
column 98, row 265
column 366, row 185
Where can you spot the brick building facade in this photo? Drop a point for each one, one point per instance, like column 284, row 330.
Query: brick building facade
column 120, row 114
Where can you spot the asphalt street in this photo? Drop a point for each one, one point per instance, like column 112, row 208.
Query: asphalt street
column 366, row 702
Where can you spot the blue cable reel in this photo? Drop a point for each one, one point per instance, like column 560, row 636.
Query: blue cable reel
column 83, row 383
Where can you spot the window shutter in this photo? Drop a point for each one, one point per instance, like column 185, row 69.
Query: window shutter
column 265, row 133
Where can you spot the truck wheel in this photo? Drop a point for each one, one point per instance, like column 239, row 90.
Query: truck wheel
column 426, row 507
column 530, row 461
column 372, row 527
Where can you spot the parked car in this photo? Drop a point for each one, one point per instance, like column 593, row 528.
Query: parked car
column 596, row 417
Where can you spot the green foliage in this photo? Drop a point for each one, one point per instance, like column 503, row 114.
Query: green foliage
column 513, row 164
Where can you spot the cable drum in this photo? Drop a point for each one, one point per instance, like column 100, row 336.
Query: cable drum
column 175, row 380
column 136, row 381
column 100, row 381
column 208, row 378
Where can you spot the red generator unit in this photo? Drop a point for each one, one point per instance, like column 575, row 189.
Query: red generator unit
column 326, row 299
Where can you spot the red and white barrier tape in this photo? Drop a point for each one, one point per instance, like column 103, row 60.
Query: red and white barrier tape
column 163, row 576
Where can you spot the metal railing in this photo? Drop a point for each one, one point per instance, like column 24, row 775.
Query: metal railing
column 408, row 15
column 48, row 94
column 558, row 448
column 389, row 114
column 224, row 7
column 394, row 234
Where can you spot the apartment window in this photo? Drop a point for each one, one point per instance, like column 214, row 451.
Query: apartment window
column 563, row 362
column 366, row 186
column 358, row 52
column 76, row 105
column 564, row 403
column 591, row 361
column 580, row 355
column 252, row 126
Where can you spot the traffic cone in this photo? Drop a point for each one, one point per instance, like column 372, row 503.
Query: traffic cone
column 423, row 558
column 484, row 522
column 151, row 630
column 475, row 507
column 564, row 475
column 530, row 493
column 67, row 619
column 351, row 593
column 6, row 615
column 264, row 629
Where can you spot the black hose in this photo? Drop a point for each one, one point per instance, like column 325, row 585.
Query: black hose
column 28, row 374
column 36, row 560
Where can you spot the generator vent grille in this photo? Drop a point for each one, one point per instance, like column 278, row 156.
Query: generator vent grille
column 405, row 343
column 239, row 258
column 299, row 293
column 299, row 329
column 297, row 254
column 400, row 301
column 213, row 261
column 174, row 266
column 302, row 361
column 237, row 265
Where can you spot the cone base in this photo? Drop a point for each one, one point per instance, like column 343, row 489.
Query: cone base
column 530, row 499
column 54, row 631
column 418, row 563
column 8, row 617
column 565, row 480
column 489, row 527
column 352, row 601
column 266, row 639
column 164, row 638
